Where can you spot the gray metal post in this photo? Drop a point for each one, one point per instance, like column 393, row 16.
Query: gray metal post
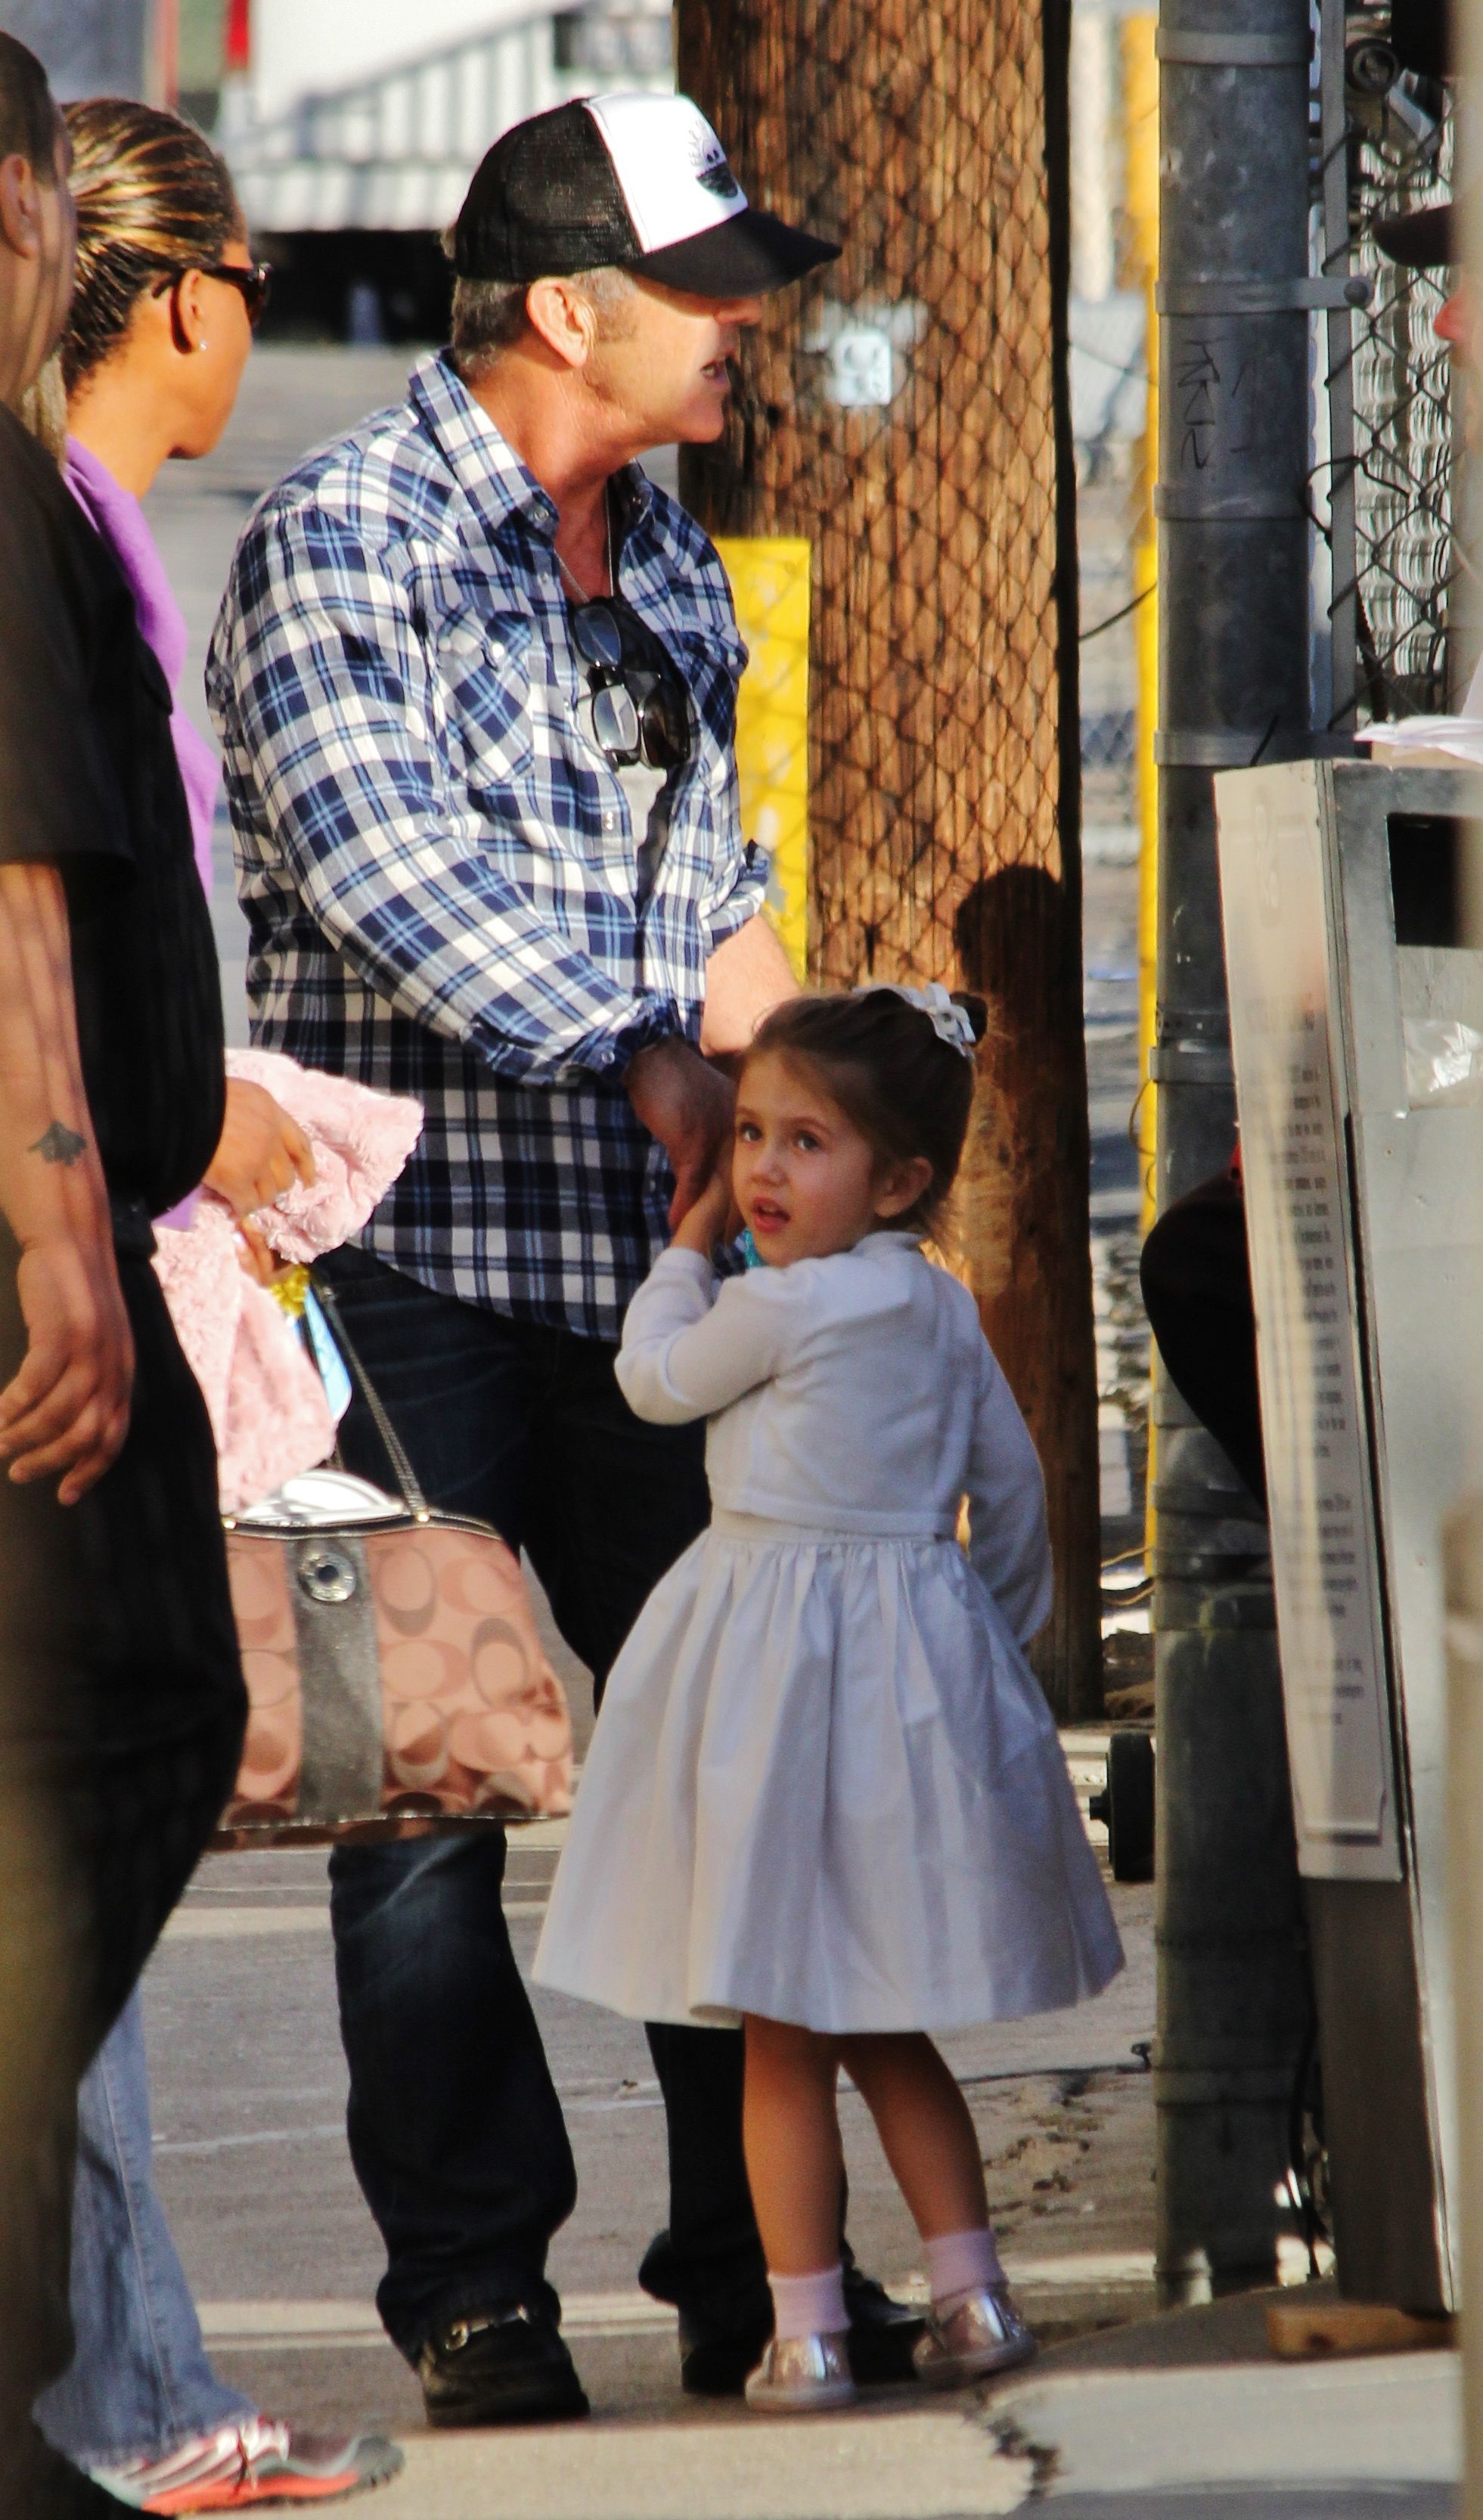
column 1232, row 571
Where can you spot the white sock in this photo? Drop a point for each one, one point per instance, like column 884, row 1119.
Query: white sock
column 960, row 2262
column 810, row 2304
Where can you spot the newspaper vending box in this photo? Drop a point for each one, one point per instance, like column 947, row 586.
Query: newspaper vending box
column 1353, row 904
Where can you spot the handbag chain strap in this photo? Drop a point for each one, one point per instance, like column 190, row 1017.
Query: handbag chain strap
column 401, row 1468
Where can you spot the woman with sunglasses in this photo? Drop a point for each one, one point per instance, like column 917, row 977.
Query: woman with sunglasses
column 157, row 340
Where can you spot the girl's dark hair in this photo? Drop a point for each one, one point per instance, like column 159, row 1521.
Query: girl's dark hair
column 906, row 1089
column 153, row 196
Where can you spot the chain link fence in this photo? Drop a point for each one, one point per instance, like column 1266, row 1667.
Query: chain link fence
column 1387, row 482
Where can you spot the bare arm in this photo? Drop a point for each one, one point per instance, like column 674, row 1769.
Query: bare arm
column 744, row 980
column 66, row 1409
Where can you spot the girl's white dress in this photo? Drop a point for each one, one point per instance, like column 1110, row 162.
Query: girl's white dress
column 825, row 1785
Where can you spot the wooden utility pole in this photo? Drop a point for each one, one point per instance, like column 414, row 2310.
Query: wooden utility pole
column 907, row 411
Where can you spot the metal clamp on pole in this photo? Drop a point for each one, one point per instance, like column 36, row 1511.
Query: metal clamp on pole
column 1190, row 1063
column 1309, row 294
column 1197, row 502
column 1215, row 749
column 1224, row 50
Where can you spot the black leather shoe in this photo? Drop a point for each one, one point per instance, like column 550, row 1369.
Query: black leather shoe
column 499, row 2367
column 882, row 2331
column 715, row 2359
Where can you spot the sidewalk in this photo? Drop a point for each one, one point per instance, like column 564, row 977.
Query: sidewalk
column 1190, row 2414
column 931, row 2463
column 1184, row 2417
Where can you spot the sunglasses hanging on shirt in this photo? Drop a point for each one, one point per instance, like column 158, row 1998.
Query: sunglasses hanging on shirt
column 637, row 708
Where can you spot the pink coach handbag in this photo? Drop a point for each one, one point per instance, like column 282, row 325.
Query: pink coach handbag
column 396, row 1679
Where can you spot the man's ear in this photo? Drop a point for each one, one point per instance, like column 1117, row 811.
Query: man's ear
column 563, row 319
column 19, row 208
column 902, row 1185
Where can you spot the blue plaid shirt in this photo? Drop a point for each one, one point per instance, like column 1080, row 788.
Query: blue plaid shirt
column 440, row 871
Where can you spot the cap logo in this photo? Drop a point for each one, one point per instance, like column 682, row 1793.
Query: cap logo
column 670, row 166
column 720, row 180
column 708, row 164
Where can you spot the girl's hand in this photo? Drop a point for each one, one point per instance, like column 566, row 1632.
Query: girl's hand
column 704, row 1225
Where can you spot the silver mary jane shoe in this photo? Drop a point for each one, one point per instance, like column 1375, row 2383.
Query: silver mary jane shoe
column 802, row 2375
column 985, row 2334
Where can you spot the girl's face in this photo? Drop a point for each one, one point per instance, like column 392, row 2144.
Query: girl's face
column 808, row 1183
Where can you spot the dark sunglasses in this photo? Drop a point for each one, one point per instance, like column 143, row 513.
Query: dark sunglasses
column 254, row 281
column 636, row 700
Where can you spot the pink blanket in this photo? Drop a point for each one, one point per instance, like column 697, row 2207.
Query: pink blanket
column 267, row 1404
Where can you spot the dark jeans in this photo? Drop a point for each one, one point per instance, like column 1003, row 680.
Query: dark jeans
column 455, row 2129
column 1196, row 1282
column 121, row 1712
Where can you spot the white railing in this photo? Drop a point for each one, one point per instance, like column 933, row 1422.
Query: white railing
column 396, row 149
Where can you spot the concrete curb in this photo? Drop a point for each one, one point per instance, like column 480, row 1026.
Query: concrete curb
column 1374, row 2420
column 928, row 2466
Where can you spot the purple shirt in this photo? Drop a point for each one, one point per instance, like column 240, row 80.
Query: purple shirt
column 115, row 514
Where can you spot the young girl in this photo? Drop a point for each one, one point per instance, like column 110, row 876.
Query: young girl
column 826, row 1796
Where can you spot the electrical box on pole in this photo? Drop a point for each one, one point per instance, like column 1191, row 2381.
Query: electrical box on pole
column 907, row 413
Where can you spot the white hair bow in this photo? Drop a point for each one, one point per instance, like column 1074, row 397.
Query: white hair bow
column 951, row 1023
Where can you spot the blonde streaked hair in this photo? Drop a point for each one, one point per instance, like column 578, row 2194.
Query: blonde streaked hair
column 43, row 408
column 153, row 198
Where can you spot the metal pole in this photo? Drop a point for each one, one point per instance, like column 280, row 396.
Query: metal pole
column 1464, row 1868
column 1232, row 571
column 1464, row 1709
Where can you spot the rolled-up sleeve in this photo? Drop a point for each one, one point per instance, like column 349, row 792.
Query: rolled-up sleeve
column 319, row 674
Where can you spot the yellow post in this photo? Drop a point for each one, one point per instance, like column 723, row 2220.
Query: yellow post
column 1141, row 95
column 770, row 583
column 1141, row 108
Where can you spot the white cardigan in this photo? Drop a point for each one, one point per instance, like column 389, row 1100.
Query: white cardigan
column 855, row 1394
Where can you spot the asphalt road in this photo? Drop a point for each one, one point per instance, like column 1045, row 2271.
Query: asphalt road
column 248, row 2079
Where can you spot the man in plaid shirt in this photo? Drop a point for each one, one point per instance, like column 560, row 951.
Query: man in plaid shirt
column 475, row 682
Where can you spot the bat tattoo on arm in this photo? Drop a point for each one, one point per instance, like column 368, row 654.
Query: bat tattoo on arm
column 59, row 1145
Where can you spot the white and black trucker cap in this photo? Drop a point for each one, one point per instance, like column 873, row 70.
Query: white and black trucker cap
column 640, row 181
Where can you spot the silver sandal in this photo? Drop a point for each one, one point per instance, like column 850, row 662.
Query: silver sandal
column 984, row 2333
column 802, row 2375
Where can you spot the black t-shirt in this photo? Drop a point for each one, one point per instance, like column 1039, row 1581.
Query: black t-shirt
column 89, row 784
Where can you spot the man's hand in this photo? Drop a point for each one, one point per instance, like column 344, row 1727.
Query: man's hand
column 262, row 1153
column 688, row 1107
column 66, row 1409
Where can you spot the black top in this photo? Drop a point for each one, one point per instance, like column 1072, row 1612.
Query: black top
column 89, row 784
